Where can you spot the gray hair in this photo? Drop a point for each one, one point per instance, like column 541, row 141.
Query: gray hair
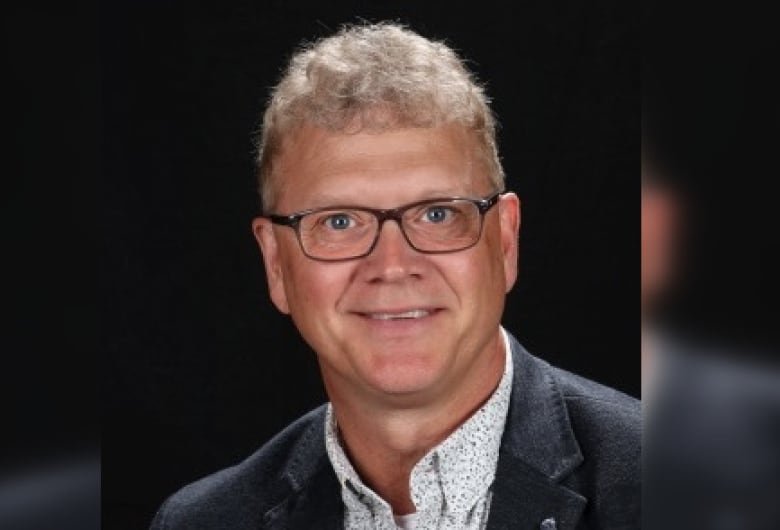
column 375, row 77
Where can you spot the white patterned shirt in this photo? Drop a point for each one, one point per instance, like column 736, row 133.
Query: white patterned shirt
column 451, row 486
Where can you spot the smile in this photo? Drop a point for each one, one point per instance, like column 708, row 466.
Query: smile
column 415, row 313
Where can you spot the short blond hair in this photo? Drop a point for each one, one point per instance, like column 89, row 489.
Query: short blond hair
column 375, row 77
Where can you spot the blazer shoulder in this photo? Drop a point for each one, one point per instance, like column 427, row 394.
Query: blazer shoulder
column 598, row 413
column 240, row 495
column 575, row 387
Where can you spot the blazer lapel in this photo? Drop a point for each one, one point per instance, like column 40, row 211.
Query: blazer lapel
column 314, row 500
column 317, row 506
column 538, row 450
column 522, row 499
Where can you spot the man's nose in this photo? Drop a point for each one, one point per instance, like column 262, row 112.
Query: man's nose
column 393, row 257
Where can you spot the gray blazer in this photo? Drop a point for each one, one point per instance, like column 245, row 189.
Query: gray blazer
column 569, row 458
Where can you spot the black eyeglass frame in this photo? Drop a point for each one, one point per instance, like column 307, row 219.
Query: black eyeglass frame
column 395, row 214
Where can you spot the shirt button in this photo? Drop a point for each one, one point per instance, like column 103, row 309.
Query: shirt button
column 548, row 524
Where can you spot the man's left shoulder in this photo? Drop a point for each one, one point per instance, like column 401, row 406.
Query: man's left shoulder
column 598, row 409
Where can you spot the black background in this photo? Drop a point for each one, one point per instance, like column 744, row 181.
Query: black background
column 198, row 368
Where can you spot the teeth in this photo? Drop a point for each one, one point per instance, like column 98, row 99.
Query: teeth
column 417, row 313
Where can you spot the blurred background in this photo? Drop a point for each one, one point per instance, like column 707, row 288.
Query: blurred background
column 709, row 278
column 49, row 386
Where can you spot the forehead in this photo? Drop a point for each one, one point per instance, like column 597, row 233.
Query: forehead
column 317, row 166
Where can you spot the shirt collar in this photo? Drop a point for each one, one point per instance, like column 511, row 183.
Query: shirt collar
column 464, row 463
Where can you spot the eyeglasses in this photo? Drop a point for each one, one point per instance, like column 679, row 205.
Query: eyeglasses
column 433, row 226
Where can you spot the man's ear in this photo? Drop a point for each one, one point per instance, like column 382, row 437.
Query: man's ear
column 269, row 247
column 509, row 214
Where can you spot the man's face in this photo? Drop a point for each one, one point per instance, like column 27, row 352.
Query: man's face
column 458, row 297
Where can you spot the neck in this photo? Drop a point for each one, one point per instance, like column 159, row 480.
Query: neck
column 384, row 441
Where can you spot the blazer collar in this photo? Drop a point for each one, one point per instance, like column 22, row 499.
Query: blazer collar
column 538, row 451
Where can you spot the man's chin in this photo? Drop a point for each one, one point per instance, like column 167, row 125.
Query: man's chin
column 405, row 383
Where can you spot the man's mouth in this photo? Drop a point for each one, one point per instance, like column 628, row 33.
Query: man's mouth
column 405, row 315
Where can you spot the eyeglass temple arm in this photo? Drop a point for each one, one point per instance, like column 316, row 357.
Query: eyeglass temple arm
column 286, row 220
column 486, row 204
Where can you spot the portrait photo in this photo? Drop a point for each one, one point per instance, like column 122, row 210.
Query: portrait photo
column 370, row 265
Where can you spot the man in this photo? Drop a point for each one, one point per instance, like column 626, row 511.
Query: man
column 389, row 240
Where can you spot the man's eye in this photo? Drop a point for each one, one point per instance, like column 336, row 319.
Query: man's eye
column 437, row 214
column 339, row 221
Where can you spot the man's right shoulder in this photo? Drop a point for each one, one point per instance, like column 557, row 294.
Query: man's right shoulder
column 240, row 496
